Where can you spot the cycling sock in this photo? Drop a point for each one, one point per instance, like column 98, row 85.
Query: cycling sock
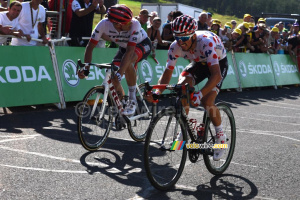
column 132, row 90
column 219, row 128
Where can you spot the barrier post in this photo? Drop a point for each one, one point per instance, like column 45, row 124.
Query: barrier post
column 275, row 86
column 236, row 72
column 62, row 104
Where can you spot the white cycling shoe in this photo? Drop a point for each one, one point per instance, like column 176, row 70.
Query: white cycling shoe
column 220, row 139
column 129, row 108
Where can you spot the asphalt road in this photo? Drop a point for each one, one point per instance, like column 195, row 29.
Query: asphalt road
column 41, row 157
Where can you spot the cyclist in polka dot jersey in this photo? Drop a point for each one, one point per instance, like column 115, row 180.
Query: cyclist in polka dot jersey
column 207, row 56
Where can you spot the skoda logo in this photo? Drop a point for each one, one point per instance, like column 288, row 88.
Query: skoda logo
column 69, row 72
column 276, row 68
column 243, row 68
column 147, row 71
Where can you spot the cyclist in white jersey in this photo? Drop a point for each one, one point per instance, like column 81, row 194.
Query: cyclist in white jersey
column 208, row 59
column 134, row 45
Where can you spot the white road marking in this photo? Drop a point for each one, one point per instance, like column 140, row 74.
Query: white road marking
column 264, row 133
column 280, row 116
column 20, row 138
column 272, row 121
column 111, row 170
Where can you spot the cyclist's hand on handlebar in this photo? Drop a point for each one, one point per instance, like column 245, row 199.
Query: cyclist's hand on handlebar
column 81, row 74
column 149, row 96
column 196, row 98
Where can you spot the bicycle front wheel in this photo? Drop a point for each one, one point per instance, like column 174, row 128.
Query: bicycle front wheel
column 164, row 164
column 93, row 126
column 142, row 117
column 228, row 122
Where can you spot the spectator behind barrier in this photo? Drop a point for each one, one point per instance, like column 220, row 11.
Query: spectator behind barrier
column 154, row 35
column 293, row 41
column 273, row 45
column 247, row 17
column 294, row 29
column 82, row 20
column 258, row 41
column 232, row 39
column 167, row 33
column 143, row 18
column 150, row 21
column 3, row 6
column 169, row 18
column 209, row 20
column 202, row 25
column 216, row 27
column 233, row 24
column 31, row 21
column 10, row 21
column 259, row 21
column 226, row 33
column 243, row 42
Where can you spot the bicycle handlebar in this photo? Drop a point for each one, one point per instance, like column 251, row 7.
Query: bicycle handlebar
column 101, row 66
column 177, row 88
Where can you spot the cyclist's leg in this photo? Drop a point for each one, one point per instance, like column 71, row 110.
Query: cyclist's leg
column 192, row 74
column 117, row 61
column 209, row 104
column 142, row 50
column 208, row 100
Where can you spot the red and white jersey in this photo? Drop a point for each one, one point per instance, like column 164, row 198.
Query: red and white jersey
column 209, row 49
column 107, row 31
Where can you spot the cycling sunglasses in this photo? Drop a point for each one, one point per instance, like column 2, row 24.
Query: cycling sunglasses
column 183, row 38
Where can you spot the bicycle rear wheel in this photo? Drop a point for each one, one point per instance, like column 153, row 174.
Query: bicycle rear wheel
column 143, row 116
column 164, row 166
column 93, row 130
column 228, row 122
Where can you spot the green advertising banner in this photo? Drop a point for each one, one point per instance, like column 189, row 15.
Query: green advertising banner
column 26, row 76
column 231, row 77
column 150, row 71
column 74, row 88
column 286, row 72
column 255, row 69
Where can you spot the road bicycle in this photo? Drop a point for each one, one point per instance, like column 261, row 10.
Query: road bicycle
column 99, row 106
column 163, row 164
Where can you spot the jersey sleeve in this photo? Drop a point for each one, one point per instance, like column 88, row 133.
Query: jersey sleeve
column 75, row 5
column 135, row 33
column 97, row 32
column 174, row 53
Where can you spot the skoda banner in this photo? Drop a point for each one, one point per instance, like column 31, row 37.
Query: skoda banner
column 255, row 69
column 74, row 88
column 26, row 76
column 286, row 72
column 150, row 71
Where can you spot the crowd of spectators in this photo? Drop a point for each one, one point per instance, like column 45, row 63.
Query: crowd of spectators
column 244, row 37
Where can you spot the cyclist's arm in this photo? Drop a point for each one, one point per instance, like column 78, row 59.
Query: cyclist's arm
column 87, row 57
column 214, row 79
column 88, row 54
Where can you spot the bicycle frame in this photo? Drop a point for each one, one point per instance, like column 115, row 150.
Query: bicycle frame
column 109, row 89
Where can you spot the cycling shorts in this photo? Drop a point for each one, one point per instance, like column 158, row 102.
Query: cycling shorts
column 200, row 70
column 142, row 49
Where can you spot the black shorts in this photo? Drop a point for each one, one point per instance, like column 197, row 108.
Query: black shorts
column 142, row 49
column 199, row 71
